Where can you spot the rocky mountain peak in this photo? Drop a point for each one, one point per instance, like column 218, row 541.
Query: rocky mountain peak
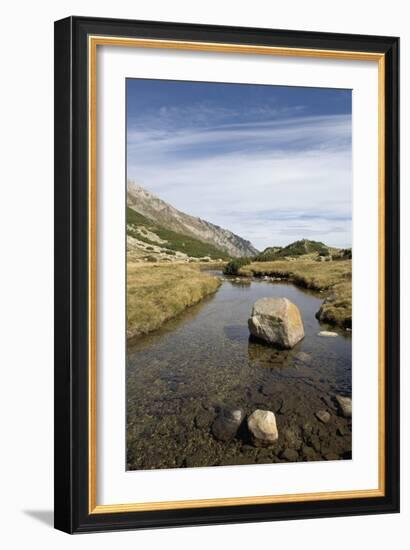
column 152, row 207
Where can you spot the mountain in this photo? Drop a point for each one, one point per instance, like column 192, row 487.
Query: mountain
column 302, row 247
column 269, row 254
column 298, row 248
column 167, row 217
column 147, row 240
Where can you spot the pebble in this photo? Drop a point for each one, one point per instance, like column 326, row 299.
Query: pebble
column 345, row 404
column 331, row 456
column 308, row 452
column 303, row 357
column 323, row 416
column 204, row 419
column 290, row 455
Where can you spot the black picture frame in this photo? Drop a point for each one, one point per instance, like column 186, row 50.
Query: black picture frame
column 72, row 513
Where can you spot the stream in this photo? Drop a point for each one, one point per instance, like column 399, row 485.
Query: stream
column 181, row 376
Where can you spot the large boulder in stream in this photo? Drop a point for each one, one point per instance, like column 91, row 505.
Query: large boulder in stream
column 276, row 321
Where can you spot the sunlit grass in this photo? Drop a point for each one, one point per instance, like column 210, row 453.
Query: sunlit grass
column 156, row 293
column 333, row 278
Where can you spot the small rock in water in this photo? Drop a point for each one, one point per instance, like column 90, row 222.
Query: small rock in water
column 307, row 429
column 268, row 389
column 227, row 423
column 293, row 438
column 262, row 427
column 308, row 453
column 193, row 461
column 204, row 418
column 323, row 416
column 345, row 404
column 314, row 441
column 331, row 456
column 303, row 357
column 290, row 455
column 327, row 333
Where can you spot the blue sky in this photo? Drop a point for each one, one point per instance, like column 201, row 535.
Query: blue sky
column 271, row 163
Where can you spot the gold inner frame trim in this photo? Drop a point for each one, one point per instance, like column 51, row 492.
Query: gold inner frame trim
column 93, row 42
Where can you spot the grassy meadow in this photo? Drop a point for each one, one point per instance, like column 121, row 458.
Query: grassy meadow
column 334, row 279
column 159, row 292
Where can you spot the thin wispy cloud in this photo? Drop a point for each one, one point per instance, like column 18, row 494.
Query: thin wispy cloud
column 272, row 173
column 310, row 133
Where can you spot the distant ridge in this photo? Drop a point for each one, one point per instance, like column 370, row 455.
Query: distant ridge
column 163, row 214
column 302, row 247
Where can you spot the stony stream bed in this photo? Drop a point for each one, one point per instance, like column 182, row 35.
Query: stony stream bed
column 181, row 377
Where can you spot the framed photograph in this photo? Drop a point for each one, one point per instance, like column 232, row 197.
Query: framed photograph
column 226, row 274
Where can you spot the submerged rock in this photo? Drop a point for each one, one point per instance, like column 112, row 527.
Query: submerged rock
column 262, row 427
column 331, row 456
column 323, row 416
column 342, row 431
column 204, row 418
column 290, row 455
column 227, row 423
column 276, row 321
column 293, row 438
column 345, row 404
column 327, row 333
column 303, row 357
column 308, row 453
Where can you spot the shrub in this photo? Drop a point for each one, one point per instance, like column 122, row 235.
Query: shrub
column 343, row 254
column 233, row 267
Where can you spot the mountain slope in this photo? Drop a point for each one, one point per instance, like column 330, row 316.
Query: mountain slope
column 163, row 214
column 146, row 239
column 298, row 248
column 304, row 246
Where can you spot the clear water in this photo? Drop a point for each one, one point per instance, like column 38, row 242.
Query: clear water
column 181, row 376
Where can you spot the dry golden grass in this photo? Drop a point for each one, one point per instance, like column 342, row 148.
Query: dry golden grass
column 157, row 292
column 335, row 278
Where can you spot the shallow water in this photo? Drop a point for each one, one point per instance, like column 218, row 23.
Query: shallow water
column 181, row 376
